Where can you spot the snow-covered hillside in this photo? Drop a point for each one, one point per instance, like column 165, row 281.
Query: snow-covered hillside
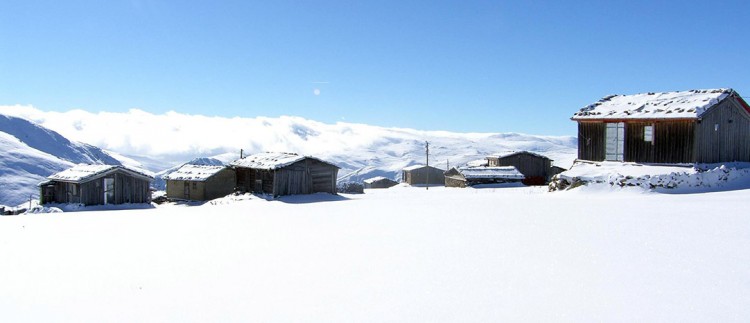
column 31, row 152
column 362, row 151
column 459, row 255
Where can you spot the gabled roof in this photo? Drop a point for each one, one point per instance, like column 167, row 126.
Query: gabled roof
column 83, row 172
column 271, row 161
column 664, row 105
column 197, row 173
column 508, row 154
column 413, row 167
column 501, row 172
column 375, row 179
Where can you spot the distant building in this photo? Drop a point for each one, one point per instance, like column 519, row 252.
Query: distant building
column 696, row 126
column 536, row 168
column 379, row 182
column 470, row 176
column 423, row 175
column 200, row 182
column 97, row 185
column 285, row 174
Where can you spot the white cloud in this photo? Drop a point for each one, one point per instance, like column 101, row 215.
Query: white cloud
column 179, row 137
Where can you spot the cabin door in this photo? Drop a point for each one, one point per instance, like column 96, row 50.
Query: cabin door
column 109, row 190
column 615, row 141
column 187, row 190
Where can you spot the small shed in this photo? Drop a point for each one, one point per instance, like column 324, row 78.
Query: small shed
column 97, row 185
column 379, row 182
column 200, row 182
column 285, row 174
column 469, row 176
column 423, row 175
column 535, row 167
column 696, row 126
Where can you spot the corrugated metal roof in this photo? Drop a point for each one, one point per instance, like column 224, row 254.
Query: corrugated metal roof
column 663, row 105
column 501, row 172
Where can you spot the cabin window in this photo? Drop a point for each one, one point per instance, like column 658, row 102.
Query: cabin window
column 74, row 189
column 716, row 127
column 195, row 185
column 648, row 133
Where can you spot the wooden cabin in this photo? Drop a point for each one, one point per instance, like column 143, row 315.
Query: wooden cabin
column 423, row 175
column 97, row 185
column 696, row 126
column 200, row 182
column 379, row 182
column 285, row 174
column 470, row 176
column 536, row 168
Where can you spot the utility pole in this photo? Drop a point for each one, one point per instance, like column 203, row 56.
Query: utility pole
column 427, row 155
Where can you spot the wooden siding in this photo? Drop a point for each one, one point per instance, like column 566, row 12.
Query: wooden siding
column 672, row 141
column 636, row 148
column 303, row 177
column 731, row 142
column 535, row 168
column 127, row 189
column 421, row 176
column 220, row 184
column 591, row 144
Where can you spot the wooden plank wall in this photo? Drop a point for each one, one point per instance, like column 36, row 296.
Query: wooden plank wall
column 419, row 176
column 673, row 142
column 128, row 189
column 323, row 176
column 731, row 142
column 529, row 165
column 591, row 144
column 304, row 177
column 219, row 185
column 636, row 149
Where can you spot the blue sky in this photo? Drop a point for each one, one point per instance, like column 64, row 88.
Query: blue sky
column 484, row 66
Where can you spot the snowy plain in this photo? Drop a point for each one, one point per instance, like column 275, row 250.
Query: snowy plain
column 403, row 254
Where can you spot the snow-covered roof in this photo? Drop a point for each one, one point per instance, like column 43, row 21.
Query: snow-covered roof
column 511, row 153
column 270, row 160
column 196, row 173
column 375, row 179
column 413, row 167
column 83, row 172
column 664, row 105
column 504, row 172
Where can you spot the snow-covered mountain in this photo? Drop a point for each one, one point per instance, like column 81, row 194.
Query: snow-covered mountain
column 160, row 142
column 31, row 152
column 360, row 150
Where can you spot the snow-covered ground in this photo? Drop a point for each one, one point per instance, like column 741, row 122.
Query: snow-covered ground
column 362, row 151
column 686, row 178
column 401, row 254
